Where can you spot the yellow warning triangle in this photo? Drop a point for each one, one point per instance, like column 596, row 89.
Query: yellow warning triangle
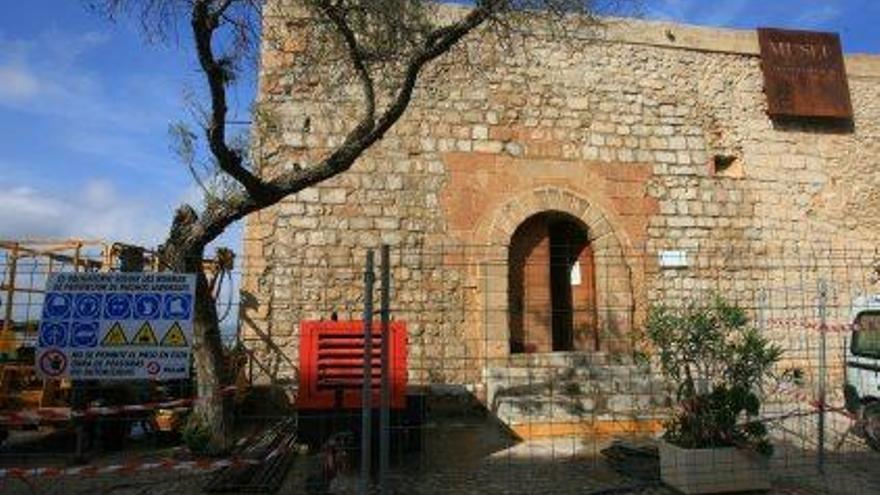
column 145, row 336
column 115, row 337
column 174, row 337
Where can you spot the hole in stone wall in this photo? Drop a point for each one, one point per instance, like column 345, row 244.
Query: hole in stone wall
column 727, row 166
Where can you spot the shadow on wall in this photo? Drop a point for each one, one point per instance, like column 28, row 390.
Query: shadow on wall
column 814, row 125
column 265, row 354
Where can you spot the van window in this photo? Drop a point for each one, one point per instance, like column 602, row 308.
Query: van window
column 866, row 338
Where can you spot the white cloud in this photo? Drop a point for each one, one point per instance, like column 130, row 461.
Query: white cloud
column 93, row 210
column 77, row 96
column 17, row 84
column 117, row 117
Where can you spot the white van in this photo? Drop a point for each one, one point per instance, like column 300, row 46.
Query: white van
column 862, row 388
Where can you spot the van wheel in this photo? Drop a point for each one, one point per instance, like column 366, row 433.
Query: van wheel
column 871, row 419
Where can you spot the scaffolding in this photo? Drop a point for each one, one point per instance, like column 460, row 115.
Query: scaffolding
column 24, row 267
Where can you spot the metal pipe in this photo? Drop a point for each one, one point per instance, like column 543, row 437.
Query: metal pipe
column 366, row 391
column 76, row 257
column 823, row 310
column 384, row 411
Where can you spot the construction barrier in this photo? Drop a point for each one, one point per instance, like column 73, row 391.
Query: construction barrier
column 203, row 465
column 830, row 327
column 61, row 414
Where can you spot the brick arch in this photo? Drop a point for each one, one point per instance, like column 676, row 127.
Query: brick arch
column 505, row 219
column 615, row 289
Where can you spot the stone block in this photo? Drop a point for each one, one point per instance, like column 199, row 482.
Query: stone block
column 480, row 132
column 333, row 196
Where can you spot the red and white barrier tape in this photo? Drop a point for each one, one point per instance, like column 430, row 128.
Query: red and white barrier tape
column 804, row 323
column 139, row 466
column 816, row 404
column 131, row 467
column 56, row 414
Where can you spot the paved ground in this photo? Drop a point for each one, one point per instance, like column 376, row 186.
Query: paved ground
column 468, row 456
column 849, row 466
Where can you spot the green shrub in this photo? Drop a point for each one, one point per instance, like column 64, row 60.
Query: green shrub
column 196, row 435
column 720, row 364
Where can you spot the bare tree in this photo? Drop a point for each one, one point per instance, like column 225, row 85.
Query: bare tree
column 380, row 46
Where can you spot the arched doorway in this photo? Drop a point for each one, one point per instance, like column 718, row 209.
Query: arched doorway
column 551, row 286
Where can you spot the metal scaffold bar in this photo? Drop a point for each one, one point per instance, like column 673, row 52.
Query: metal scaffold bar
column 366, row 394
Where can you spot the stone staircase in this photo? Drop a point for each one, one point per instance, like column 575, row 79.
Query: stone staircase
column 573, row 387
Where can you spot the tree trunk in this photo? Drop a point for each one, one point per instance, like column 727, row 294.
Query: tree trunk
column 208, row 365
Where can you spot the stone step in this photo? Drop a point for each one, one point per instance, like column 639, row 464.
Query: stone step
column 573, row 387
column 520, row 375
column 520, row 410
column 526, row 375
column 537, row 409
column 572, row 391
column 558, row 359
column 636, row 385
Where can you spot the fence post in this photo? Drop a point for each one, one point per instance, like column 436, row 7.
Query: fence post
column 762, row 309
column 823, row 364
column 385, row 403
column 366, row 390
column 7, row 335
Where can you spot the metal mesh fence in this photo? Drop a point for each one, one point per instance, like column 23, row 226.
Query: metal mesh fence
column 528, row 369
column 528, row 377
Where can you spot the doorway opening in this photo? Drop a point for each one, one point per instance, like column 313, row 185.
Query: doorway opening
column 551, row 286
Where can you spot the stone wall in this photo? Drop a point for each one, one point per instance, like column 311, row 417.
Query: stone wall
column 618, row 127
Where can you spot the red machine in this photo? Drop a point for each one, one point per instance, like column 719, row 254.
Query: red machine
column 331, row 358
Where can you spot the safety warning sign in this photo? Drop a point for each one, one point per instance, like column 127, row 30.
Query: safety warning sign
column 116, row 326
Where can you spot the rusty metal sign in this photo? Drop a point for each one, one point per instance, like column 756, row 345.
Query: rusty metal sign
column 804, row 74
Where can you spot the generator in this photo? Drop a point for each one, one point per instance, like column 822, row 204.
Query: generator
column 331, row 379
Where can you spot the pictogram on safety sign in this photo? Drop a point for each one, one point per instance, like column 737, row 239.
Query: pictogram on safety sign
column 174, row 337
column 53, row 363
column 115, row 337
column 145, row 335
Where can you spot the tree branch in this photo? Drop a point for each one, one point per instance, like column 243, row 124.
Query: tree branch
column 218, row 217
column 356, row 55
column 204, row 22
column 437, row 43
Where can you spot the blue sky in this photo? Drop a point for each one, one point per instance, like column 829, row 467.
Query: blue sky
column 85, row 107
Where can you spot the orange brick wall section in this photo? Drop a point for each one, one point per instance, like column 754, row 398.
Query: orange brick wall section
column 480, row 182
